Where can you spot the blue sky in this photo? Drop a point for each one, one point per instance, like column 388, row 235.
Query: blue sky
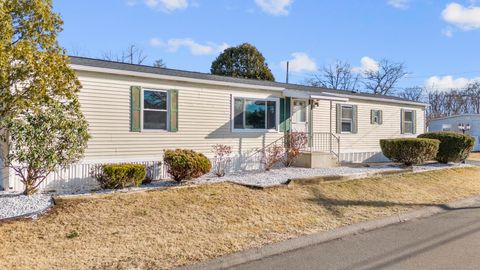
column 437, row 40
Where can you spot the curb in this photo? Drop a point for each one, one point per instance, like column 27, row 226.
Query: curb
column 255, row 254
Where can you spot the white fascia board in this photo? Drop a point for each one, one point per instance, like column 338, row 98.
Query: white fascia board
column 406, row 102
column 296, row 94
column 312, row 95
column 173, row 78
column 329, row 97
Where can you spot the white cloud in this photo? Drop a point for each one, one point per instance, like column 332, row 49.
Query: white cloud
column 465, row 18
column 163, row 5
column 131, row 3
column 195, row 48
column 400, row 4
column 366, row 64
column 448, row 32
column 447, row 82
column 301, row 62
column 275, row 7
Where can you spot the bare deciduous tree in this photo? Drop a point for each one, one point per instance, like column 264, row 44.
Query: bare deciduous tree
column 159, row 63
column 473, row 93
column 132, row 55
column 336, row 76
column 383, row 80
column 412, row 93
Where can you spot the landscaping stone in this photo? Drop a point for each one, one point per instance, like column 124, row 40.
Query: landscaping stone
column 16, row 205
column 283, row 175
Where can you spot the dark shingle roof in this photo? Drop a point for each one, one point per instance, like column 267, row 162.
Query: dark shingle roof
column 83, row 61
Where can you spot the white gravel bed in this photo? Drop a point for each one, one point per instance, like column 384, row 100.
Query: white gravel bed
column 271, row 178
column 279, row 176
column 151, row 186
column 15, row 205
column 282, row 175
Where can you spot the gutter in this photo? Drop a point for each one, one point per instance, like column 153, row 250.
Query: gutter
column 322, row 95
column 172, row 78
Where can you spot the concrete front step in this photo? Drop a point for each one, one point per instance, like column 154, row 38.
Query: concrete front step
column 316, row 160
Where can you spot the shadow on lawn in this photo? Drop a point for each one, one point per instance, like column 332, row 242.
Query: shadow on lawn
column 335, row 205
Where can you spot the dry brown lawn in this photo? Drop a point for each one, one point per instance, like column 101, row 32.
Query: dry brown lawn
column 474, row 156
column 163, row 229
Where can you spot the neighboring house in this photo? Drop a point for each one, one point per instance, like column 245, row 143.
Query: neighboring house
column 452, row 123
column 136, row 112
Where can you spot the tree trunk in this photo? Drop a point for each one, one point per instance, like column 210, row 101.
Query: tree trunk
column 30, row 188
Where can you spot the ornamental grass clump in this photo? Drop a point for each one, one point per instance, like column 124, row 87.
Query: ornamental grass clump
column 410, row 151
column 184, row 164
column 454, row 147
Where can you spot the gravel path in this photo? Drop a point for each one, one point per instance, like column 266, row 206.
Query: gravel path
column 282, row 175
column 14, row 204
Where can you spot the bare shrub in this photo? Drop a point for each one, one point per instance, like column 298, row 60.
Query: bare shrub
column 221, row 158
column 295, row 142
column 272, row 155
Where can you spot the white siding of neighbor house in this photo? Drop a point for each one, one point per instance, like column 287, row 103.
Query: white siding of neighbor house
column 364, row 145
column 453, row 121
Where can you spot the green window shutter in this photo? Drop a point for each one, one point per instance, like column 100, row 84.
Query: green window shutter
column 285, row 118
column 414, row 129
column 339, row 118
column 380, row 117
column 402, row 125
column 135, row 108
column 372, row 117
column 355, row 119
column 282, row 114
column 288, row 114
column 173, row 121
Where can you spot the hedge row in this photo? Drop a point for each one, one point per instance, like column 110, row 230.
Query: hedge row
column 454, row 147
column 441, row 146
column 410, row 151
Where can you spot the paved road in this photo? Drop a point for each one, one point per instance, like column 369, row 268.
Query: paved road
column 446, row 241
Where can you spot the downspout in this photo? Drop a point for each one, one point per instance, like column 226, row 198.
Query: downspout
column 331, row 105
column 310, row 123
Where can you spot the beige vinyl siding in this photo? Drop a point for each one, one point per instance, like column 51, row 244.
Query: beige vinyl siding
column 368, row 136
column 204, row 118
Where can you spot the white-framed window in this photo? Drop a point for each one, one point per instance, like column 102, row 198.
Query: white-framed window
column 377, row 116
column 155, row 109
column 299, row 111
column 347, row 119
column 255, row 114
column 408, row 121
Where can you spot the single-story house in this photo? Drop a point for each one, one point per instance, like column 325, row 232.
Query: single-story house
column 463, row 123
column 135, row 112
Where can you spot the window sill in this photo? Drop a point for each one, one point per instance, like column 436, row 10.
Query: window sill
column 255, row 131
column 154, row 131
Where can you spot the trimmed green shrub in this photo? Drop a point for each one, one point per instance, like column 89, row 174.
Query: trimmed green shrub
column 184, row 164
column 115, row 176
column 454, row 147
column 410, row 151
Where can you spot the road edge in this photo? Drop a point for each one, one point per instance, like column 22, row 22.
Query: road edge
column 259, row 253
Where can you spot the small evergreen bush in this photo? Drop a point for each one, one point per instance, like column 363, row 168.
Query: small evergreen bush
column 410, row 151
column 184, row 164
column 115, row 176
column 454, row 147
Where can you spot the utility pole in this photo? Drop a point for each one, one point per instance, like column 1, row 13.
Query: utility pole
column 288, row 64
